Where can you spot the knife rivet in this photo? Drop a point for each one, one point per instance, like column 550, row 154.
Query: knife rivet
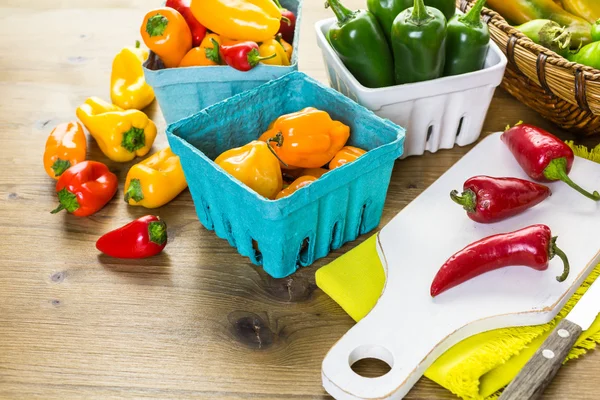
column 549, row 354
column 563, row 333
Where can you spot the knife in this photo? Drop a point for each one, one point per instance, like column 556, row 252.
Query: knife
column 545, row 363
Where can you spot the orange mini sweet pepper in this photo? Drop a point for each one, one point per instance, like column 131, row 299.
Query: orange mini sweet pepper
column 205, row 55
column 346, row 155
column 66, row 146
column 294, row 186
column 308, row 138
column 165, row 32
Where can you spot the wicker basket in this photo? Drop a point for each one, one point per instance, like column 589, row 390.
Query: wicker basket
column 563, row 92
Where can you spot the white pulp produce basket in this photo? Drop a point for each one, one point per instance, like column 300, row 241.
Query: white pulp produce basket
column 436, row 114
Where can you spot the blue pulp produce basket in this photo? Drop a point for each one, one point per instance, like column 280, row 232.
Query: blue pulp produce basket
column 295, row 230
column 181, row 92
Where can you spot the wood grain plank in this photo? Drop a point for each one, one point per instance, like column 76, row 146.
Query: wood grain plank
column 199, row 320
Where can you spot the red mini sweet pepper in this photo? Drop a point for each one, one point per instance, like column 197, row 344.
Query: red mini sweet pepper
column 288, row 23
column 197, row 29
column 242, row 56
column 144, row 237
column 532, row 246
column 543, row 156
column 85, row 188
column 489, row 199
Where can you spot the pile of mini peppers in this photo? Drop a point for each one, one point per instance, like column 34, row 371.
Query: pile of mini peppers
column 487, row 199
column 297, row 149
column 123, row 132
column 396, row 42
column 241, row 34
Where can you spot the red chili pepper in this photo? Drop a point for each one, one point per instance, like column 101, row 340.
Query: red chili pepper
column 543, row 156
column 85, row 188
column 144, row 237
column 487, row 199
column 242, row 56
column 198, row 30
column 288, row 23
column 532, row 246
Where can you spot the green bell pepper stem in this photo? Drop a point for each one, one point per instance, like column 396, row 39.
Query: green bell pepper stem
column 420, row 15
column 342, row 13
column 473, row 17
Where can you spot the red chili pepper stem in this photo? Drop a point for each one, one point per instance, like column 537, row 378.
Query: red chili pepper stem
column 557, row 170
column 157, row 232
column 278, row 139
column 554, row 250
column 254, row 57
column 467, row 199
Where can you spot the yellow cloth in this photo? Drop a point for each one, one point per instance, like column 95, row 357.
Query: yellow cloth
column 479, row 366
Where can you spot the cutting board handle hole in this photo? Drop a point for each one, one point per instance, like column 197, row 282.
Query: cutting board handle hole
column 371, row 361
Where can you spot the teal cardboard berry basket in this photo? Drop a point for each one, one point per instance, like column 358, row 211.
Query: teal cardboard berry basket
column 296, row 230
column 181, row 92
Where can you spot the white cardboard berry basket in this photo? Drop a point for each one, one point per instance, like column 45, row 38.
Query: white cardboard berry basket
column 436, row 114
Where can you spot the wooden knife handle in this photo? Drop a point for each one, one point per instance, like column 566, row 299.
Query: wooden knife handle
column 539, row 371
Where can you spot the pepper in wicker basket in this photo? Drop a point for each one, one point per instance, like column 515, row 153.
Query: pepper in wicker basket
column 562, row 91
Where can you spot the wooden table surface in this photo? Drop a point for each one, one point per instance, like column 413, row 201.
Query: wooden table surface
column 197, row 321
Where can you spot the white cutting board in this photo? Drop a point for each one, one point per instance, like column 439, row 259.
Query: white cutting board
column 408, row 329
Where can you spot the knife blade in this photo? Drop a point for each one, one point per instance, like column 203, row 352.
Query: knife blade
column 539, row 371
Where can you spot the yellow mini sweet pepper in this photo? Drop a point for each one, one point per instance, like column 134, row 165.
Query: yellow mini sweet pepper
column 128, row 87
column 308, row 138
column 255, row 20
column 289, row 49
column 155, row 181
column 255, row 166
column 272, row 46
column 121, row 134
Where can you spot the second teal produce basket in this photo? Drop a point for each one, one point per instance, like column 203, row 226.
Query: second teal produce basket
column 296, row 230
column 181, row 92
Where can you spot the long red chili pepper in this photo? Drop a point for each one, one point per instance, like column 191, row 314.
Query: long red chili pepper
column 144, row 237
column 543, row 156
column 488, row 199
column 532, row 246
column 198, row 30
column 288, row 23
column 242, row 56
column 85, row 188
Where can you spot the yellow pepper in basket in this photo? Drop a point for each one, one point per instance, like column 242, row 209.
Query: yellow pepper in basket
column 255, row 20
column 128, row 87
column 155, row 181
column 289, row 49
column 121, row 134
column 272, row 46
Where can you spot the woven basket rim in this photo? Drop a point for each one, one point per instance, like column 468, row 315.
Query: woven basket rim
column 492, row 17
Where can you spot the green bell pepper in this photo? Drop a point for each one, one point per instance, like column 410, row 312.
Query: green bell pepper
column 467, row 42
column 387, row 10
column 360, row 43
column 419, row 43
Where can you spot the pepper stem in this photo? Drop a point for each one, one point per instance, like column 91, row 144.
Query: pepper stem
column 213, row 54
column 554, row 250
column 134, row 191
column 156, row 25
column 134, row 139
column 278, row 4
column 137, row 44
column 473, row 17
column 254, row 57
column 157, row 232
column 68, row 201
column 342, row 13
column 60, row 166
column 557, row 170
column 286, row 20
column 278, row 139
column 467, row 199
column 420, row 15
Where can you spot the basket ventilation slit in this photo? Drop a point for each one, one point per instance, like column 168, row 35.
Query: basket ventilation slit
column 336, row 236
column 460, row 125
column 361, row 218
column 304, row 253
column 257, row 254
column 229, row 232
column 206, row 208
column 429, row 132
